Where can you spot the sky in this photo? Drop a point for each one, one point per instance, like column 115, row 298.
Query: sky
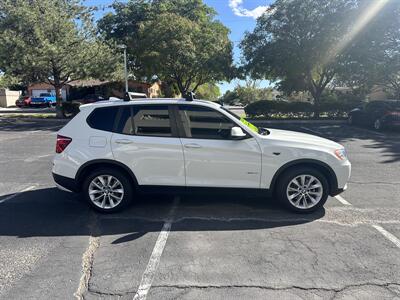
column 238, row 15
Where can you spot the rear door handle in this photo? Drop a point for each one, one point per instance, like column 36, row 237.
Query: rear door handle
column 192, row 146
column 123, row 141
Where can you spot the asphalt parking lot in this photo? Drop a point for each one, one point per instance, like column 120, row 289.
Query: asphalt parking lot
column 200, row 247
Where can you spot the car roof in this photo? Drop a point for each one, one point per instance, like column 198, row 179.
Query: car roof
column 107, row 103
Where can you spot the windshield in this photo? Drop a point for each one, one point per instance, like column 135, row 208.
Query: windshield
column 259, row 130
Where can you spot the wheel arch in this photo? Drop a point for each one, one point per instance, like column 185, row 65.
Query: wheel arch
column 92, row 165
column 324, row 168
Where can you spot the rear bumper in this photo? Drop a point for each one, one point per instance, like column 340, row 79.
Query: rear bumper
column 66, row 183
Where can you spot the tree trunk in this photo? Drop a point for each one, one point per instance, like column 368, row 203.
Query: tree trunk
column 317, row 98
column 181, row 88
column 59, row 110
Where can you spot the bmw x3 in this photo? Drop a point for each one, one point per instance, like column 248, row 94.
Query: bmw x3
column 114, row 150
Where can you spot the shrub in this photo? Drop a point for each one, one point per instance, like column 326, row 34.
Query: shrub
column 329, row 107
column 70, row 109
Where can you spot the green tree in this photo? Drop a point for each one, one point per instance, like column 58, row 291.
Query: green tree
column 208, row 91
column 301, row 43
column 52, row 41
column 247, row 93
column 374, row 59
column 177, row 40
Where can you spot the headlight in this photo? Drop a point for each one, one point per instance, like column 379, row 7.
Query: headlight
column 341, row 154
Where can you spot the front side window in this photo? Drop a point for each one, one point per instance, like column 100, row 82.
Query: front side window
column 204, row 123
column 145, row 120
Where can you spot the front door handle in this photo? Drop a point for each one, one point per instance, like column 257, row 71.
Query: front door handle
column 123, row 141
column 192, row 146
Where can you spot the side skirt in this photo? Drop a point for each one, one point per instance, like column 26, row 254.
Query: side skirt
column 181, row 190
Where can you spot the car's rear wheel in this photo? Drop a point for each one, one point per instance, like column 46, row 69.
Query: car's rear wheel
column 303, row 189
column 378, row 124
column 107, row 190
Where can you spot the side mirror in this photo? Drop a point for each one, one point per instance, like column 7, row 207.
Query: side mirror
column 237, row 133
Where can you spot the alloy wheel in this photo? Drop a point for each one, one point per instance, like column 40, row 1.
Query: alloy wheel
column 106, row 191
column 304, row 191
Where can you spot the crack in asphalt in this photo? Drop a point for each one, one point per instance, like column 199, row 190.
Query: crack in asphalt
column 88, row 257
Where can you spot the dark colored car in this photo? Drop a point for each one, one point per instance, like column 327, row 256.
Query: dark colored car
column 377, row 114
column 24, row 101
column 91, row 98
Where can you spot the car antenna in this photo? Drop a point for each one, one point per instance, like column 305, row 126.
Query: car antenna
column 190, row 96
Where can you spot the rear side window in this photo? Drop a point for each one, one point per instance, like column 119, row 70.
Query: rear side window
column 103, row 118
column 145, row 120
column 151, row 120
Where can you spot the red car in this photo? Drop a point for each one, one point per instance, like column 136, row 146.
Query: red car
column 24, row 101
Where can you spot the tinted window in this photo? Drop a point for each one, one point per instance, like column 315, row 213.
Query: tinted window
column 103, row 118
column 145, row 120
column 125, row 122
column 151, row 120
column 205, row 123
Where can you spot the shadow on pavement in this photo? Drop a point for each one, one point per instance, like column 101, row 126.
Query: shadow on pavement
column 31, row 124
column 51, row 212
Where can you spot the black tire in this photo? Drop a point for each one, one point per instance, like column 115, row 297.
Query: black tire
column 288, row 176
column 121, row 177
column 350, row 120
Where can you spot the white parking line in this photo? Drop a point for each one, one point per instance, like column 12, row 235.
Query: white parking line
column 35, row 158
column 16, row 194
column 149, row 273
column 342, row 200
column 388, row 235
column 311, row 130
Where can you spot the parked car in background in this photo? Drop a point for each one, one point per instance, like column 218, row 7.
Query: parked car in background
column 23, row 101
column 377, row 114
column 44, row 99
column 91, row 98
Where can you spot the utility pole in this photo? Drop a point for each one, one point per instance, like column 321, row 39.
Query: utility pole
column 125, row 66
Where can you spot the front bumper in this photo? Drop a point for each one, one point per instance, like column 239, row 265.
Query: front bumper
column 66, row 183
column 342, row 172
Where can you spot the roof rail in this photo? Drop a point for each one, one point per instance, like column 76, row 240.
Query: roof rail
column 190, row 96
column 132, row 95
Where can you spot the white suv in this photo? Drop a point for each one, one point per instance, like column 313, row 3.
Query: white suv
column 113, row 148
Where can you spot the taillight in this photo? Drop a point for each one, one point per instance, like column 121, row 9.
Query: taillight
column 62, row 143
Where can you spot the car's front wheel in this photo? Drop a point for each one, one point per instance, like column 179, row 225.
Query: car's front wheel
column 350, row 120
column 107, row 190
column 303, row 189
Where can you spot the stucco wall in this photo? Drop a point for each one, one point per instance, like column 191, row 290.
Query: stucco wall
column 8, row 98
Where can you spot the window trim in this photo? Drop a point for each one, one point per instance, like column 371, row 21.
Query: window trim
column 182, row 133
